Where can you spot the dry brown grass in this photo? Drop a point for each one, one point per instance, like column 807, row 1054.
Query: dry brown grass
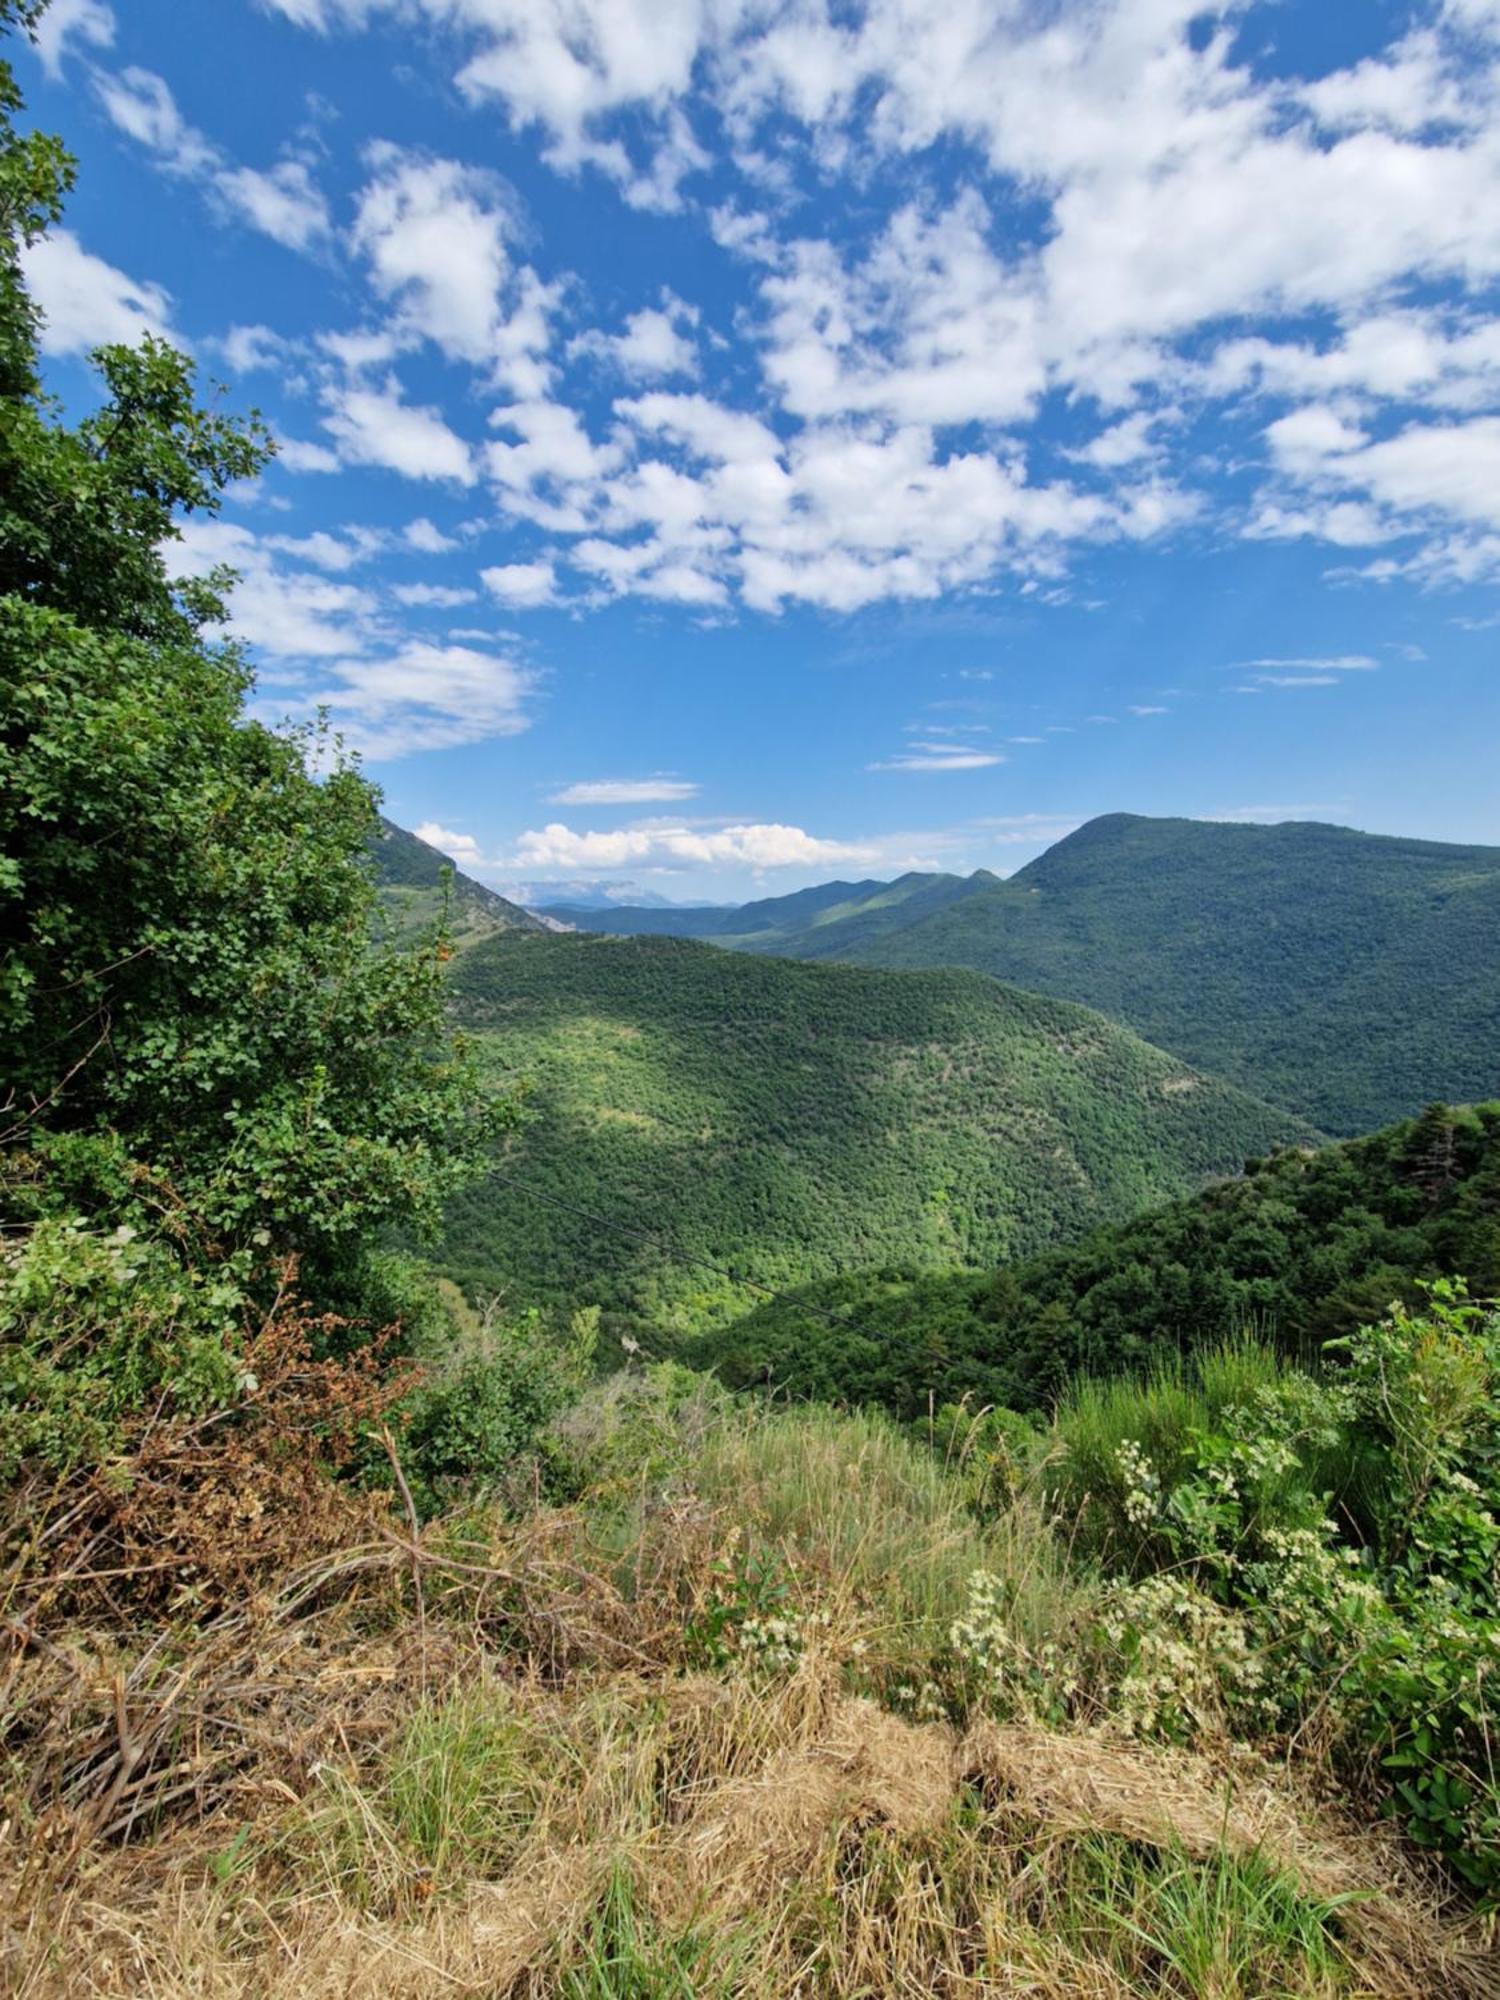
column 810, row 1840
column 486, row 1760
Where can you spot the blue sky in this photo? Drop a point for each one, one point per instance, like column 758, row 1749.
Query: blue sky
column 731, row 443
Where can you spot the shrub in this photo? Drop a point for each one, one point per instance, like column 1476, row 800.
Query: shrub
column 1260, row 1595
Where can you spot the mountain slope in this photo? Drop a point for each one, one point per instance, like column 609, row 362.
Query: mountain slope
column 1304, row 1249
column 786, row 1121
column 1351, row 976
column 413, row 879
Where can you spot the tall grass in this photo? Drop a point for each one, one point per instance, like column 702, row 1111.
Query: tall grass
column 1163, row 1414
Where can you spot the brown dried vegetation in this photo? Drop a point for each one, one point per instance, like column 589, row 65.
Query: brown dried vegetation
column 348, row 1755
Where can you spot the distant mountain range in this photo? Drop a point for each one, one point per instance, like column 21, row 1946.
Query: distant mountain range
column 1351, row 977
column 784, row 1122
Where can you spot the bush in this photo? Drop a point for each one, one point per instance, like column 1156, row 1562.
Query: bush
column 476, row 1423
column 1301, row 1551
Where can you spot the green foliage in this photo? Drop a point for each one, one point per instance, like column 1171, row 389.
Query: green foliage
column 1233, row 1924
column 623, row 1955
column 211, row 1072
column 1303, row 1249
column 94, row 1325
column 782, row 1121
column 1306, row 1549
column 1297, row 961
column 190, row 968
column 452, row 1798
column 493, row 1382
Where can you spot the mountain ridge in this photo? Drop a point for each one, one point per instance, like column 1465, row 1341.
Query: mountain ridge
column 781, row 1120
column 1352, row 977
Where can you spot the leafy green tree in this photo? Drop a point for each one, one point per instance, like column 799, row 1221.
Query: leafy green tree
column 199, row 1029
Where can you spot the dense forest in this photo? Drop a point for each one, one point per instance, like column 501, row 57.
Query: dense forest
column 1298, row 961
column 785, row 1121
column 1303, row 1249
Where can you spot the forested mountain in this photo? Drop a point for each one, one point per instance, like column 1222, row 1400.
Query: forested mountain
column 1303, row 1249
column 417, row 882
column 1349, row 976
column 787, row 1121
column 793, row 924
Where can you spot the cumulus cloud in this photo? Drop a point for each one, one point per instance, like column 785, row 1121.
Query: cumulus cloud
column 427, row 537
column 1136, row 220
column 460, row 847
column 377, row 426
column 422, row 696
column 433, row 596
column 85, row 301
column 322, row 641
column 434, row 234
column 655, row 342
column 284, row 611
column 302, row 455
column 750, row 846
column 522, row 586
column 250, row 348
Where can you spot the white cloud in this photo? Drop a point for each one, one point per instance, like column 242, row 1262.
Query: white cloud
column 460, row 847
column 69, row 21
column 940, row 757
column 301, row 455
column 653, row 344
column 523, row 586
column 1344, row 663
column 1295, row 680
column 323, row 642
column 249, row 348
column 284, row 203
column 421, row 696
column 434, row 233
column 378, row 427
column 285, row 613
column 437, row 596
column 1125, row 443
column 1275, row 815
column 427, row 537
column 86, row 302
column 623, row 792
column 751, row 846
column 1132, row 201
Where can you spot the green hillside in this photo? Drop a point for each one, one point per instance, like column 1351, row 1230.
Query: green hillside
column 1304, row 1249
column 1350, row 976
column 788, row 1121
column 415, row 881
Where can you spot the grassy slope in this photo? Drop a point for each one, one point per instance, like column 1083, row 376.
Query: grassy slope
column 1306, row 1249
column 546, row 1787
column 413, row 877
column 1349, row 976
column 790, row 1121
